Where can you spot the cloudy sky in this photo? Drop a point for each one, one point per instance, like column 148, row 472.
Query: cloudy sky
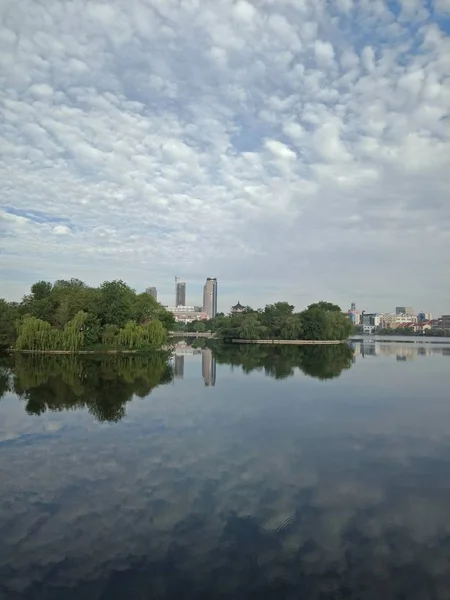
column 294, row 149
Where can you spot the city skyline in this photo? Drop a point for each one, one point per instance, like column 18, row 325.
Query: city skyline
column 302, row 155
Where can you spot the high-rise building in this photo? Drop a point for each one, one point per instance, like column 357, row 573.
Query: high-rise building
column 180, row 293
column 210, row 297
column 152, row 291
column 404, row 310
column 208, row 367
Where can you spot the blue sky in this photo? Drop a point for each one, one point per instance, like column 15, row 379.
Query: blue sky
column 294, row 149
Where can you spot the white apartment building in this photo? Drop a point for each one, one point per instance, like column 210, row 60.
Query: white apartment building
column 187, row 314
column 392, row 321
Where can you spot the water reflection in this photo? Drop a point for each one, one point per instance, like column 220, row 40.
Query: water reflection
column 178, row 366
column 402, row 351
column 275, row 490
column 102, row 384
column 279, row 362
column 208, row 367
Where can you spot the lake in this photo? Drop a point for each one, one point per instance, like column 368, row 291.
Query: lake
column 319, row 472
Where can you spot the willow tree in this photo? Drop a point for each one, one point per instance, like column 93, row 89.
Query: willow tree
column 73, row 332
column 131, row 336
column 34, row 334
column 155, row 333
column 109, row 335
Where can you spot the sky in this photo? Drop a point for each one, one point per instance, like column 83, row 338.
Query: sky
column 295, row 149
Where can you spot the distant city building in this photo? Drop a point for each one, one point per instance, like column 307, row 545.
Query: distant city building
column 423, row 316
column 445, row 322
column 237, row 308
column 354, row 315
column 370, row 322
column 208, row 367
column 391, row 321
column 180, row 293
column 186, row 314
column 210, row 297
column 152, row 291
column 404, row 310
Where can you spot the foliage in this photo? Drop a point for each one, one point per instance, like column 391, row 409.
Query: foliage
column 320, row 321
column 69, row 315
column 102, row 384
column 9, row 314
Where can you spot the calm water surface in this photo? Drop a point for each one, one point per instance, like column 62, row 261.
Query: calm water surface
column 305, row 473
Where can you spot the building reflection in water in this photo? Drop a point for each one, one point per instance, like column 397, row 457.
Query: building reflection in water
column 406, row 351
column 178, row 366
column 208, row 367
column 208, row 362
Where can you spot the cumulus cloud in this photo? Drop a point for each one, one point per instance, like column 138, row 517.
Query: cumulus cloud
column 185, row 140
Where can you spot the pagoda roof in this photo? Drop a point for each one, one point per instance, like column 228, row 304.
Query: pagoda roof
column 238, row 306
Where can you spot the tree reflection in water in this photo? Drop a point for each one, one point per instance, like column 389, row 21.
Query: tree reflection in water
column 279, row 362
column 103, row 384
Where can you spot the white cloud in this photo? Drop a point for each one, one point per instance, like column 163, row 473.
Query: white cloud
column 280, row 150
column 61, row 230
column 183, row 144
column 324, row 53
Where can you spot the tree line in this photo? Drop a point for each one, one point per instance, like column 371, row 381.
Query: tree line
column 70, row 315
column 320, row 321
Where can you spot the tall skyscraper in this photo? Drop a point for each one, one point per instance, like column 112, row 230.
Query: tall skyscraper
column 180, row 293
column 210, row 297
column 208, row 367
column 152, row 291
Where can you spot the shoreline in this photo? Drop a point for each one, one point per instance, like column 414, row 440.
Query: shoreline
column 291, row 342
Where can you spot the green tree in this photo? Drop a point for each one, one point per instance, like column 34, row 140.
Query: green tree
column 131, row 336
column 34, row 334
column 71, row 296
column 9, row 314
column 41, row 290
column 199, row 327
column 155, row 333
column 73, row 332
column 290, row 327
column 115, row 303
column 251, row 328
column 326, row 306
column 92, row 330
column 109, row 335
column 145, row 307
